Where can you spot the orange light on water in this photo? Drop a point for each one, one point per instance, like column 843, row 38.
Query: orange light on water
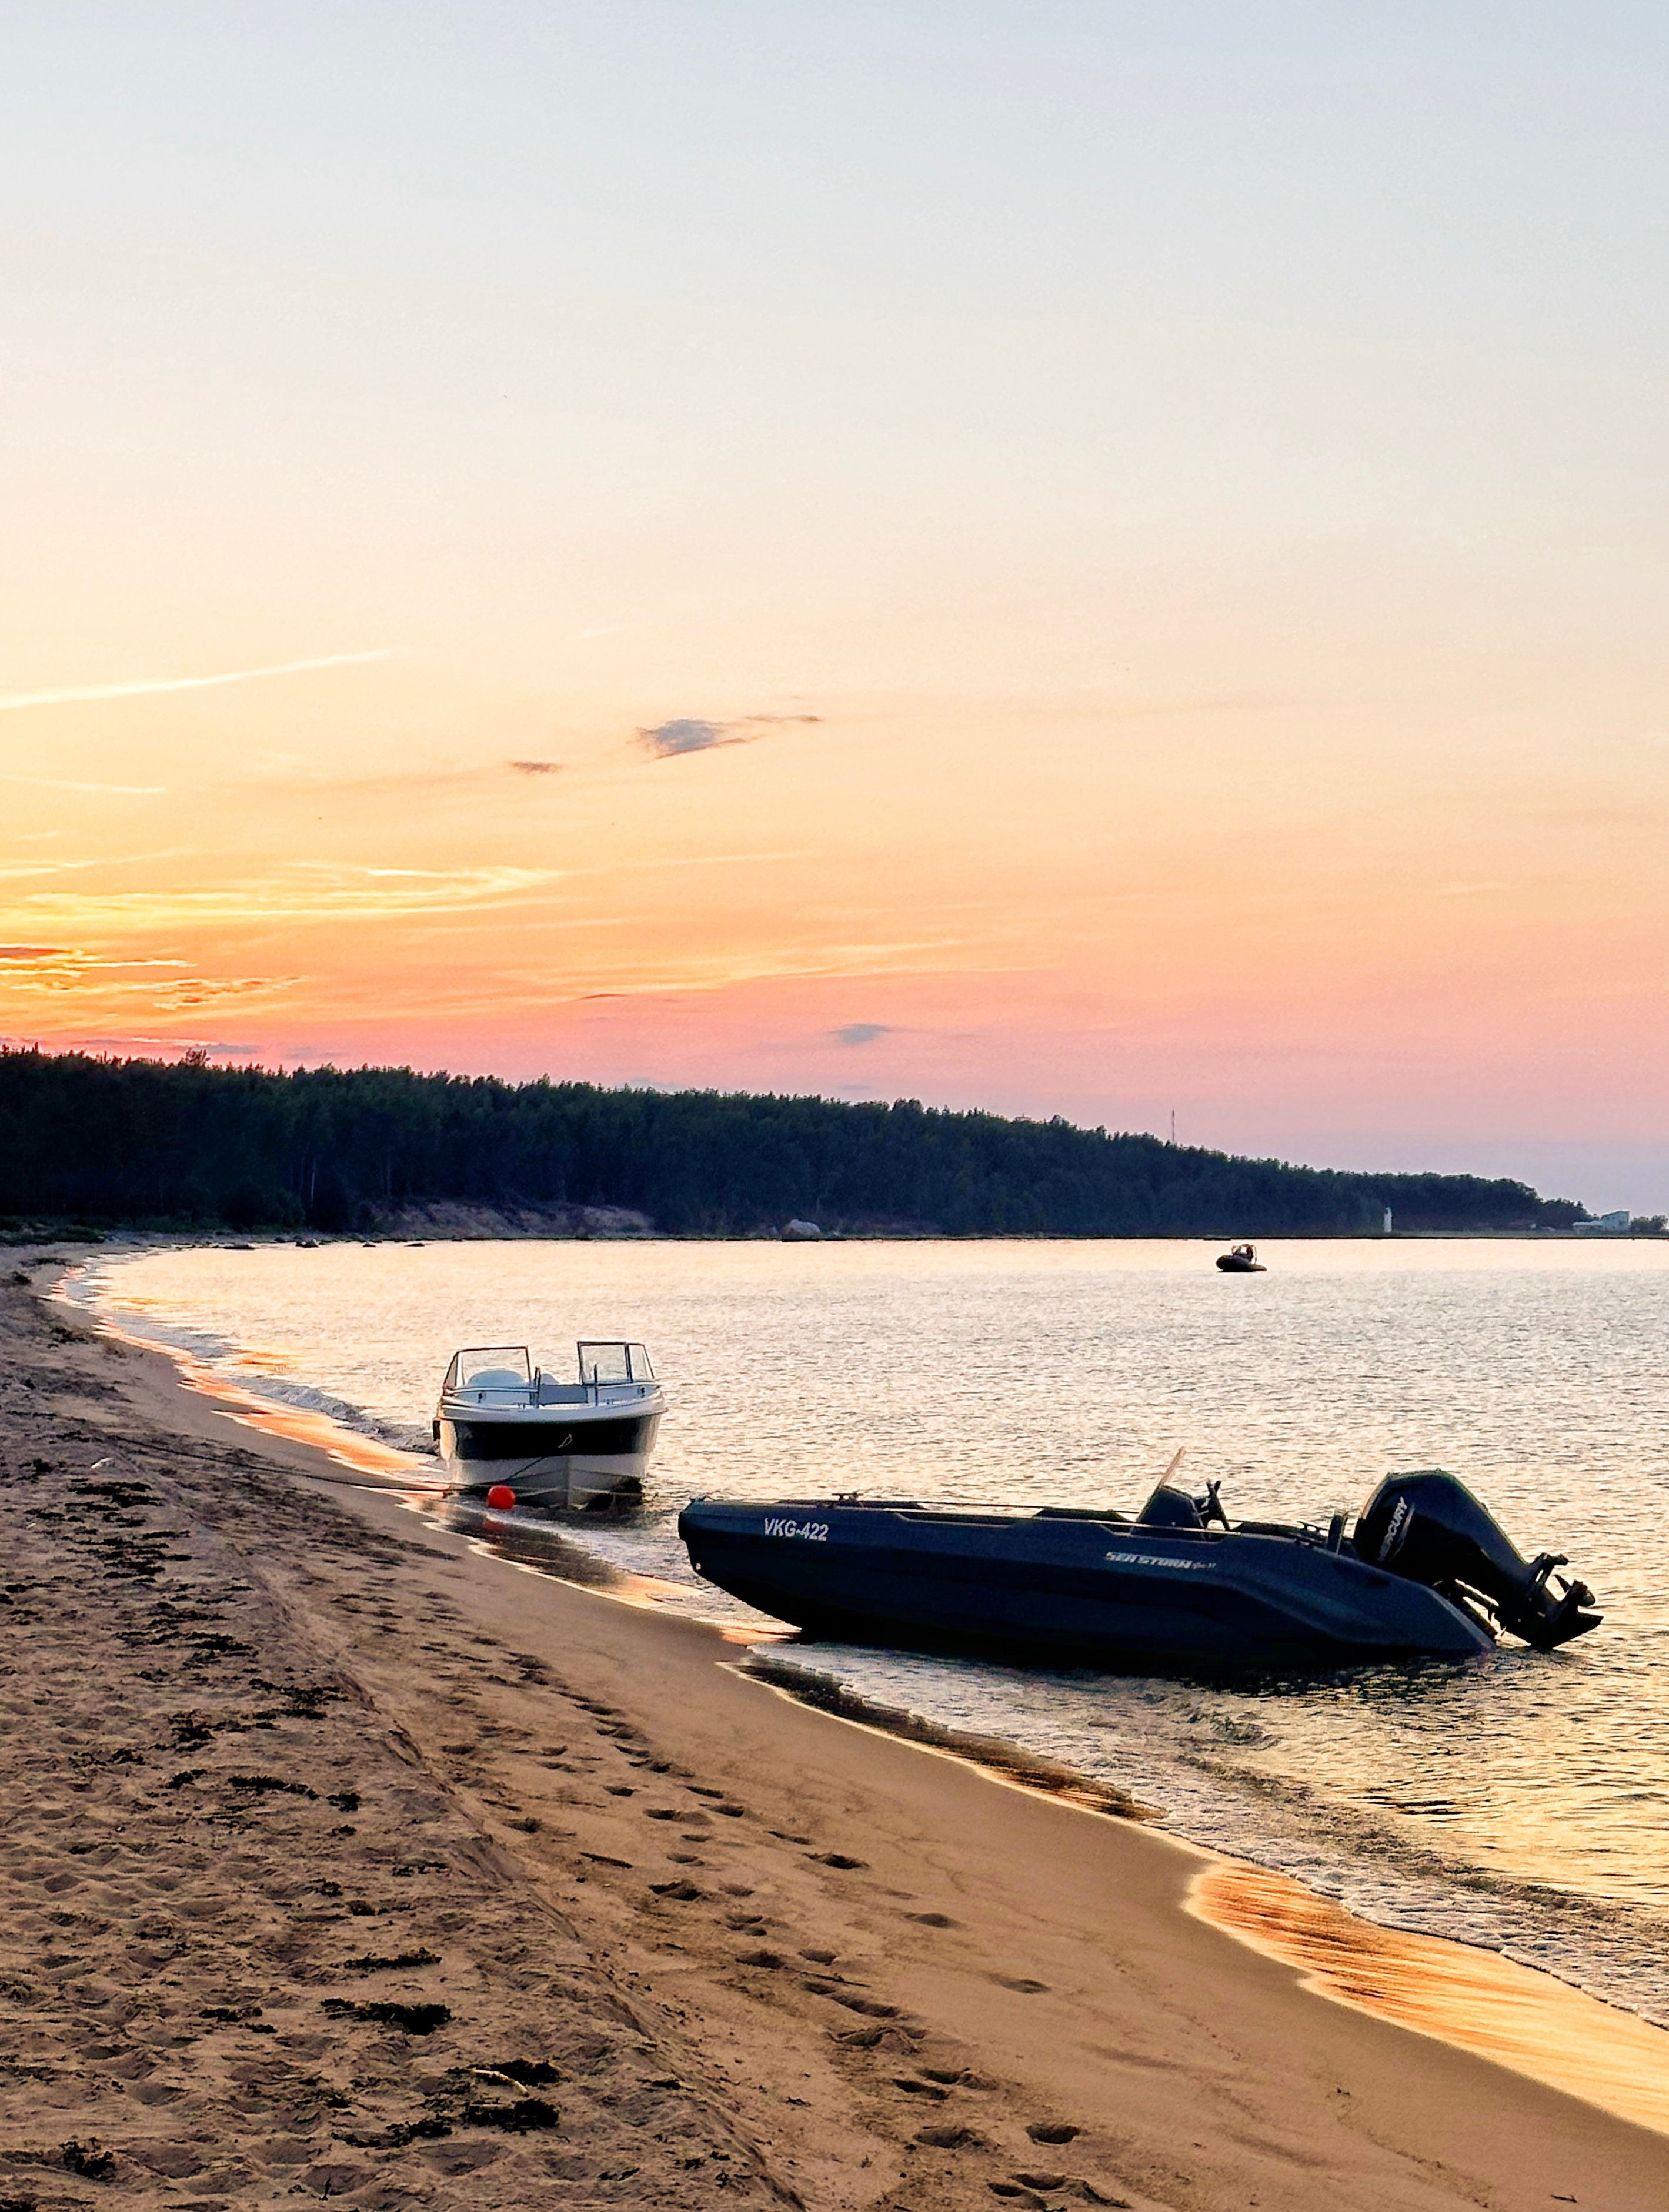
column 364, row 1454
column 1475, row 1999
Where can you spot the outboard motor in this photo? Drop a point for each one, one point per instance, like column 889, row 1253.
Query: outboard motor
column 1431, row 1529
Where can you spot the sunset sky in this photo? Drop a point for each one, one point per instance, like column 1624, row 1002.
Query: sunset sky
column 1071, row 557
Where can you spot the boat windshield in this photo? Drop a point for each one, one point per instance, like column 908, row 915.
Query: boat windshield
column 614, row 1363
column 490, row 1367
column 1169, row 1506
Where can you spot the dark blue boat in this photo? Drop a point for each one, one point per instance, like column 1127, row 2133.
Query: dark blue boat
column 1425, row 1570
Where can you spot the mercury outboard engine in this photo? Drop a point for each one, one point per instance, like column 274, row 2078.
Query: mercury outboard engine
column 1431, row 1529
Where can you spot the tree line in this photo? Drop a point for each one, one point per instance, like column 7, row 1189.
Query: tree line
column 106, row 1141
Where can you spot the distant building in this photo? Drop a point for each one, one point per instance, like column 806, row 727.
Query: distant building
column 1387, row 1221
column 1605, row 1224
column 803, row 1232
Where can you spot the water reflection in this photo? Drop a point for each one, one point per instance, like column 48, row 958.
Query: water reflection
column 1528, row 2021
column 553, row 1548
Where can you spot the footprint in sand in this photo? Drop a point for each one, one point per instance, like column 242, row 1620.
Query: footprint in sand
column 871, row 2008
column 953, row 2138
column 911, row 2088
column 1053, row 2184
column 1052, row 2131
column 1026, row 1987
column 933, row 1919
column 1086, row 2191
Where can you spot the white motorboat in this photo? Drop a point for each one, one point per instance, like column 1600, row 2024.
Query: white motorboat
column 577, row 1446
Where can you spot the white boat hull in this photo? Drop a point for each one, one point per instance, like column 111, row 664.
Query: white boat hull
column 597, row 1466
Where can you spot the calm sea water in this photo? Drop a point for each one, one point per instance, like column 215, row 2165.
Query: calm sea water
column 1521, row 1801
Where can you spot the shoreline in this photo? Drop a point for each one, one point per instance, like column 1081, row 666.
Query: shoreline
column 1130, row 1932
column 495, row 1228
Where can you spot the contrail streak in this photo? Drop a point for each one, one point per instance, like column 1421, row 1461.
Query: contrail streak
column 76, row 694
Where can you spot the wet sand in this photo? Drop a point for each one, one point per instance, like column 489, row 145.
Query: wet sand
column 346, row 1858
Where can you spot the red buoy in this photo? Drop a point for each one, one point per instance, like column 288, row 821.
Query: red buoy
column 501, row 1497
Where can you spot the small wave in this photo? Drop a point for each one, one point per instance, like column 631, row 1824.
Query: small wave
column 91, row 1289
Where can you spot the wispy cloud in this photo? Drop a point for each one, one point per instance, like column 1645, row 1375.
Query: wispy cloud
column 307, row 892
column 57, row 963
column 166, row 984
column 9, row 869
column 309, row 783
column 862, row 1032
column 174, row 1045
column 691, row 734
column 637, row 977
column 686, row 734
column 138, row 687
column 66, row 783
column 633, row 866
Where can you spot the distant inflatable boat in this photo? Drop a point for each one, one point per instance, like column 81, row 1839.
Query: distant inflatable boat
column 1242, row 1260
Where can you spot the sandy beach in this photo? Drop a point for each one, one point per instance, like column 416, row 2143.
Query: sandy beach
column 346, row 1858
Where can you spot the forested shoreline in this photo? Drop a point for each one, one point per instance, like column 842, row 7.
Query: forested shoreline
column 108, row 1142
